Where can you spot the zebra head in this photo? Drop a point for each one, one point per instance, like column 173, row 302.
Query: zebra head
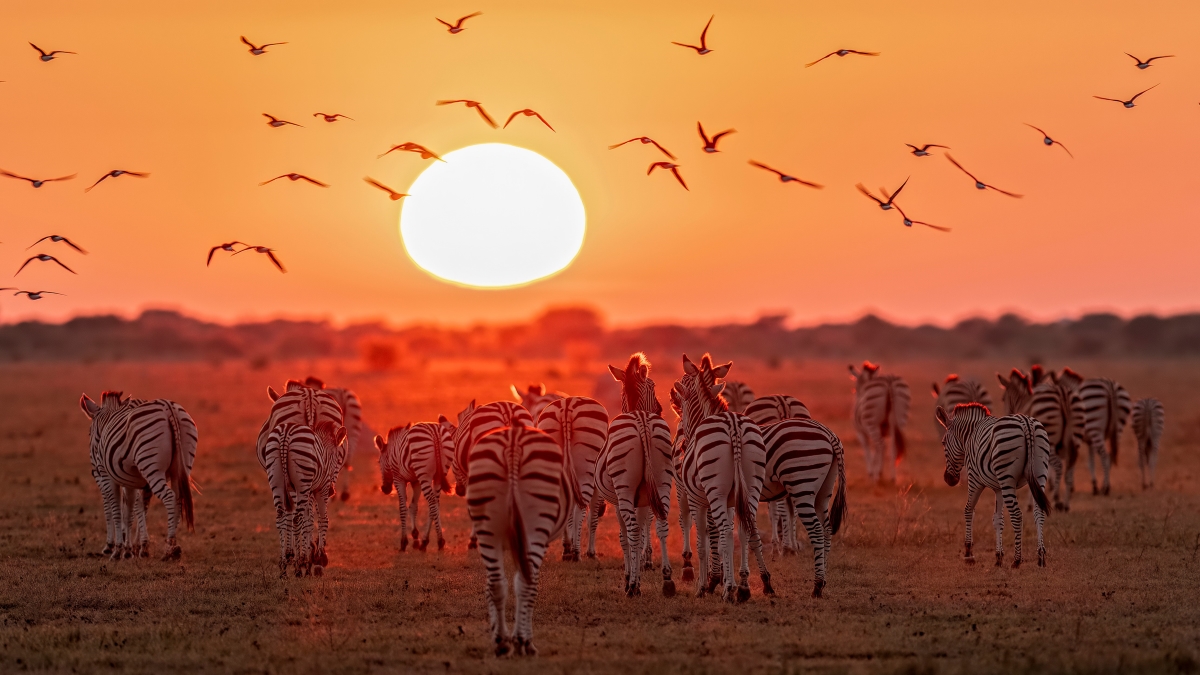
column 868, row 371
column 959, row 425
column 1018, row 389
column 99, row 413
column 637, row 389
column 1068, row 378
column 387, row 448
column 535, row 398
column 331, row 439
column 698, row 392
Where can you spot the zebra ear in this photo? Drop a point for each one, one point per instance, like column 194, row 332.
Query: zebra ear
column 339, row 436
column 1003, row 384
column 716, row 389
column 89, row 407
column 272, row 393
column 722, row 371
column 380, row 444
column 935, row 390
column 942, row 418
column 853, row 372
column 688, row 366
column 617, row 373
column 516, row 393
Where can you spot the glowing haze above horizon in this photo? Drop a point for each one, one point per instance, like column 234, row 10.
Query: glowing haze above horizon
column 170, row 90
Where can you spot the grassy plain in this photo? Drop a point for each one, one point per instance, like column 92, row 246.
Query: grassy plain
column 1121, row 593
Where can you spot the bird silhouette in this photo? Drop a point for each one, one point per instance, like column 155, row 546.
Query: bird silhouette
column 528, row 112
column 646, row 140
column 48, row 56
column 275, row 122
column 474, row 104
column 116, row 173
column 909, row 222
column 223, row 247
column 1127, row 104
column 395, row 196
column 456, row 27
column 785, row 178
column 56, row 238
column 840, row 52
column 332, row 118
column 33, row 295
column 882, row 204
column 923, row 151
column 36, row 182
column 44, row 258
column 425, row 152
column 980, row 185
column 1142, row 65
column 673, row 168
column 703, row 48
column 294, row 177
column 710, row 144
column 270, row 253
column 260, row 49
column 1049, row 141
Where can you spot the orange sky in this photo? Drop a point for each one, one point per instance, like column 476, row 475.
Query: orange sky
column 171, row 91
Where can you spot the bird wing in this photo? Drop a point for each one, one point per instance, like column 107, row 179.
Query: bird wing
column 614, row 147
column 703, row 136
column 664, row 150
column 675, row 170
column 447, row 25
column 285, row 122
column 1036, row 129
column 855, row 51
column 704, row 33
column 1154, row 58
column 73, row 245
column 543, row 119
column 895, row 194
column 1064, row 148
column 686, row 45
column 469, row 16
column 272, row 180
column 865, row 191
column 1135, row 58
column 89, row 188
column 271, row 255
column 23, row 265
column 211, row 251
column 137, row 174
column 764, row 166
column 60, row 51
column 915, row 147
column 1140, row 93
column 271, row 44
column 723, row 133
column 345, row 116
column 31, row 246
column 381, row 186
column 510, row 118
column 936, row 227
column 810, row 65
column 655, row 165
column 960, row 167
column 486, row 117
column 1003, row 192
column 270, row 117
column 1105, row 98
column 51, row 180
column 37, row 48
column 62, row 265
column 314, row 182
column 13, row 175
column 244, row 41
column 934, row 145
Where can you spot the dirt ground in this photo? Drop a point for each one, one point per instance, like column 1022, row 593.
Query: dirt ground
column 1121, row 592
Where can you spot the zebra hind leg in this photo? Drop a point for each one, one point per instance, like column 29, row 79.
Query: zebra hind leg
column 664, row 529
column 648, row 550
column 998, row 524
column 1014, row 517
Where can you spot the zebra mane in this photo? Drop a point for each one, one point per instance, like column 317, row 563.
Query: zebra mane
column 869, row 367
column 1015, row 374
column 314, row 382
column 395, row 429
column 636, row 361
column 109, row 395
column 952, row 377
column 963, row 407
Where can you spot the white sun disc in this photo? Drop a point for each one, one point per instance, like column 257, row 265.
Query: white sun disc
column 492, row 215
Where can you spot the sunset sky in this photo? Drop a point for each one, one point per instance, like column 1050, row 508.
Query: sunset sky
column 159, row 88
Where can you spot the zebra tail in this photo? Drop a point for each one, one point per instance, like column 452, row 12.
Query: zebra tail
column 838, row 513
column 647, row 438
column 1114, row 437
column 1031, row 453
column 182, row 482
column 438, row 467
column 741, row 494
column 564, row 423
column 901, row 444
column 520, row 543
column 281, row 466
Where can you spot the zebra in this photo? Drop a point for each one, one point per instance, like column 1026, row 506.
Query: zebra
column 417, row 455
column 1001, row 453
column 768, row 410
column 302, row 466
column 635, row 466
column 473, row 423
column 1147, row 421
column 880, row 414
column 737, row 395
column 535, row 398
column 1049, row 402
column 1102, row 408
column 957, row 390
column 136, row 444
column 518, row 499
column 580, row 426
column 348, row 401
column 723, row 467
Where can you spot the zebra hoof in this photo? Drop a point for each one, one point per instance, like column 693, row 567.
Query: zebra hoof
column 1105, row 491
column 403, row 545
column 299, row 571
column 668, row 588
column 128, row 553
column 818, row 586
column 145, row 552
column 591, row 555
column 566, row 556
column 1095, row 488
column 743, row 594
column 648, row 565
column 633, row 591
column 970, row 559
column 318, row 571
column 528, row 649
column 687, row 574
column 503, row 646
column 472, row 544
column 1041, row 558
column 999, row 560
column 345, row 495
column 108, row 549
column 441, row 544
column 1016, row 563
column 768, row 589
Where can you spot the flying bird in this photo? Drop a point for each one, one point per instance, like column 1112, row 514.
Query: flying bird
column 646, row 140
column 44, row 258
column 1142, row 65
column 36, row 182
column 457, row 26
column 882, row 204
column 57, row 238
column 395, row 196
column 223, row 247
column 33, row 295
column 48, row 56
column 275, row 122
column 909, row 222
column 1127, row 104
column 710, row 144
column 840, row 52
column 425, row 152
column 116, row 173
column 294, row 177
column 783, row 177
column 474, row 104
column 270, row 253
column 332, row 118
column 703, row 48
column 673, row 168
column 260, row 49
column 923, row 151
column 1049, row 141
column 980, row 185
column 528, row 113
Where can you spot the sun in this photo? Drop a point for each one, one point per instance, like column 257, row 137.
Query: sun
column 492, row 216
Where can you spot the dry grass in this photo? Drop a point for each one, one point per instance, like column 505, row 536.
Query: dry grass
column 1121, row 591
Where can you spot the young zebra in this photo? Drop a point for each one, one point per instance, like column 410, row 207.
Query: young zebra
column 348, row 401
column 1049, row 402
column 880, row 415
column 580, row 427
column 136, row 444
column 518, row 499
column 535, row 398
column 737, row 395
column 1001, row 453
column 1102, row 408
column 767, row 410
column 473, row 423
column 417, row 455
column 302, row 468
column 957, row 390
column 1148, row 417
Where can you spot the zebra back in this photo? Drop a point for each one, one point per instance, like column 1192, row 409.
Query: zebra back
column 771, row 409
column 473, row 423
column 1148, row 421
column 580, row 427
column 299, row 404
column 415, row 453
column 738, row 395
column 1102, row 408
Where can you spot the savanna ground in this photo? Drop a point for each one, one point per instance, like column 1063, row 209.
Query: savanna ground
column 1121, row 593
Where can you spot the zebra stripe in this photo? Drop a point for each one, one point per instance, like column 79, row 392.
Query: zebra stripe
column 1148, row 419
column 768, row 410
column 1049, row 402
column 956, row 390
column 1001, row 453
column 580, row 427
column 348, row 401
column 535, row 398
column 473, row 423
column 299, row 404
column 737, row 395
column 417, row 455
column 517, row 497
column 1102, row 408
column 880, row 415
column 302, row 465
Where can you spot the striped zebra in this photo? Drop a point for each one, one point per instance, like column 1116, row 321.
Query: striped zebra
column 348, row 401
column 1148, row 417
column 136, row 444
column 957, row 390
column 417, row 455
column 737, row 395
column 880, row 415
column 302, row 465
column 535, row 398
column 769, row 410
column 518, row 498
column 1049, row 402
column 723, row 467
column 580, row 427
column 1102, row 409
column 634, row 473
column 473, row 423
column 1001, row 453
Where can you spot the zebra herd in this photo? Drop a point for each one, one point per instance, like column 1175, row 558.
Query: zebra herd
column 535, row 469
